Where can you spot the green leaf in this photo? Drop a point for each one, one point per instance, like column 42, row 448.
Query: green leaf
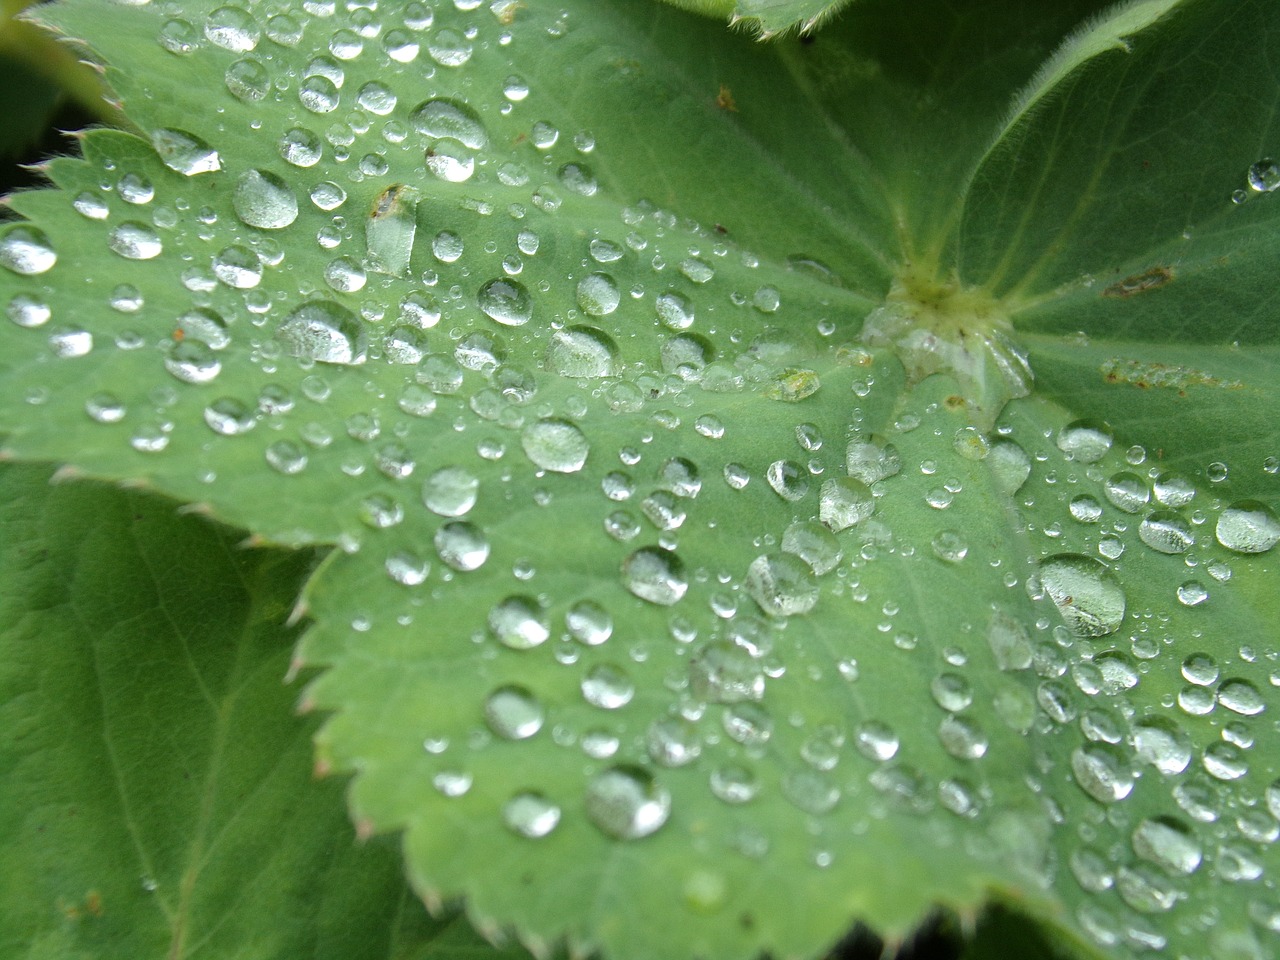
column 768, row 17
column 163, row 785
column 776, row 486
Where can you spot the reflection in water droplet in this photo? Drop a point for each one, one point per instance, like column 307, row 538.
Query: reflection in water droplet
column 1086, row 593
column 1167, row 843
column 531, row 815
column 656, row 575
column 1166, row 532
column 1102, row 772
column 263, row 200
column 588, row 623
column 783, row 585
column 462, row 545
column 844, row 502
column 627, row 803
column 450, row 491
column 607, row 687
column 135, row 241
column 517, row 621
column 191, row 361
column 1163, row 744
column 185, row 153
column 449, row 118
column 1248, row 526
column 582, row 352
column 324, row 331
column 506, row 301
column 27, row 251
column 513, row 713
column 1085, row 441
column 598, row 294
column 555, row 445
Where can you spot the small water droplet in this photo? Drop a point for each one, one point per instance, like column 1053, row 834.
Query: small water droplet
column 462, row 545
column 656, row 575
column 1085, row 441
column 233, row 28
column 598, row 294
column 588, row 623
column 506, row 301
column 530, row 815
column 1264, row 176
column 584, row 352
column 286, row 457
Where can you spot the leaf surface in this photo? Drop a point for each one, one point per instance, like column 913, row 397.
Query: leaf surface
column 160, row 784
column 753, row 466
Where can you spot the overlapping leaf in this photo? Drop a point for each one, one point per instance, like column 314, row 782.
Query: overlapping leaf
column 158, row 787
column 692, row 598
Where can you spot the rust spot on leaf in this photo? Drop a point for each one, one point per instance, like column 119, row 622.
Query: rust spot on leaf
column 1140, row 283
column 724, row 99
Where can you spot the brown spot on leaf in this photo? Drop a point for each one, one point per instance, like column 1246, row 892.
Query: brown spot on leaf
column 724, row 99
column 1140, row 283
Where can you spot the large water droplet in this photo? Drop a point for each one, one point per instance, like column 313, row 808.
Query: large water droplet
column 450, row 491
column 1166, row 532
column 1086, row 593
column 513, row 713
column 598, row 294
column 1167, row 843
column 449, row 118
column 517, row 622
column 263, row 200
column 724, row 672
column 627, row 803
column 844, row 502
column 783, row 585
column 531, row 815
column 814, row 544
column 462, row 545
column 1163, row 744
column 26, row 250
column 582, row 352
column 1102, row 771
column 184, row 152
column 233, row 28
column 192, row 361
column 656, row 575
column 325, row 331
column 135, row 241
column 1248, row 526
column 1085, row 441
column 607, row 687
column 555, row 445
column 506, row 301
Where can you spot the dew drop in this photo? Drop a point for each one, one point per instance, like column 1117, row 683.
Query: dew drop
column 1086, row 593
column 814, row 544
column 233, row 28
column 598, row 294
column 530, row 815
column 1102, row 772
column 441, row 118
column 724, row 672
column 584, row 352
column 263, row 200
column 783, row 585
column 656, row 575
column 627, row 802
column 1248, row 526
column 450, row 491
column 556, row 445
column 1264, row 176
column 1167, row 843
column 192, row 361
column 1085, row 441
column 134, row 241
column 325, row 331
column 844, row 502
column 286, row 457
column 1166, row 532
column 26, row 250
column 462, row 545
column 185, row 153
column 506, row 301
column 513, row 713
column 1163, row 744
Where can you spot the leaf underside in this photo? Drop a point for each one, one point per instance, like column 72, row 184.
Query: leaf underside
column 775, row 485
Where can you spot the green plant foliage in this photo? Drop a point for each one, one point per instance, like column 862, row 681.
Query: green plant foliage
column 772, row 485
column 157, row 783
column 768, row 18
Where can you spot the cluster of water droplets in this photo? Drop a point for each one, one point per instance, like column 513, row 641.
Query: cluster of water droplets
column 436, row 366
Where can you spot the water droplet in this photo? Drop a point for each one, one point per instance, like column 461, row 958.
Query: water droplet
column 1167, row 843
column 1102, row 772
column 517, row 621
column 673, row 742
column 301, row 147
column 844, row 502
column 962, row 738
column 627, row 803
column 233, row 29
column 1010, row 642
column 263, row 200
column 1085, row 441
column 734, row 783
column 1264, row 176
column 407, row 568
column 513, row 713
column 105, row 408
column 582, row 352
column 238, row 267
column 286, row 457
column 814, row 544
column 449, row 48
column 1241, row 696
column 1085, row 509
column 452, row 119
column 1086, row 593
column 588, row 623
column 1163, row 744
column 28, row 311
column 324, row 331
column 247, row 79
column 871, row 463
column 656, row 575
column 724, row 672
column 192, row 361
column 674, row 310
column 462, row 545
column 1248, row 526
column 783, row 585
column 1172, row 490
column 810, row 791
column 506, row 301
column 876, row 740
column 598, row 294
column 555, row 445
column 452, row 783
column 450, row 491
column 1166, row 532
column 133, row 241
column 951, row 692
column 1200, row 669
column 530, row 815
column 1225, row 761
column 950, row 546
column 26, row 250
column 1127, row 491
column 185, row 153
column 788, row 479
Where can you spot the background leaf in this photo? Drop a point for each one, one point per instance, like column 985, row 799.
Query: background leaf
column 161, row 784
